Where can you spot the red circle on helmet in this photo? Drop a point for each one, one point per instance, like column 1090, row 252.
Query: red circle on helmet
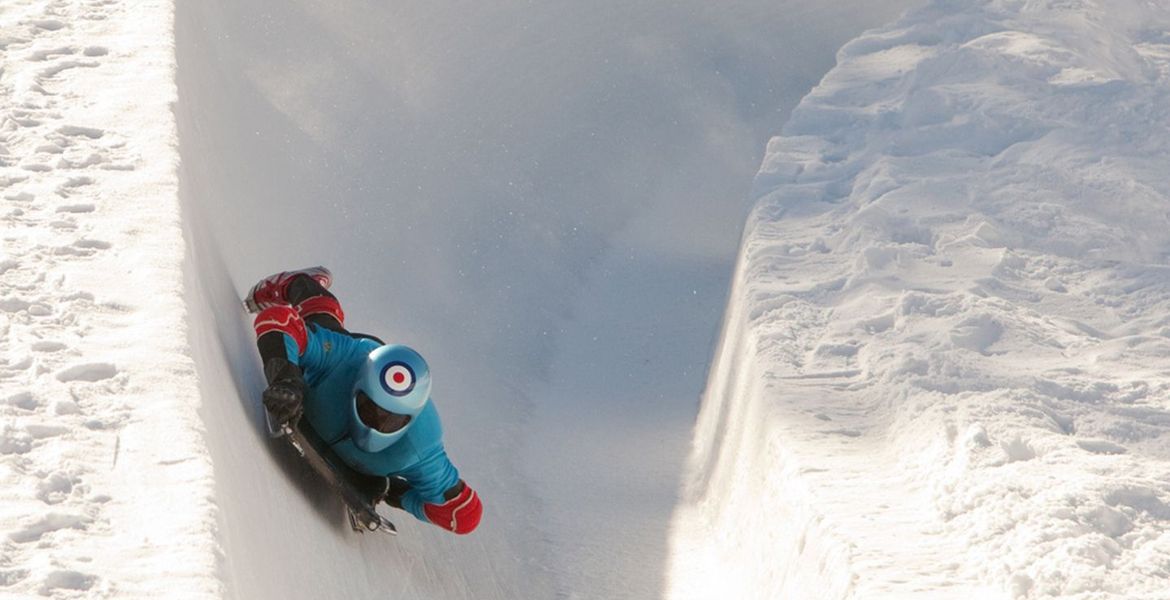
column 398, row 379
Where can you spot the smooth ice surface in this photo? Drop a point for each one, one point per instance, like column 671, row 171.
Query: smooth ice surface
column 544, row 198
column 943, row 371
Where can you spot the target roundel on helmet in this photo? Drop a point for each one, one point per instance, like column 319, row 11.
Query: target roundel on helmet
column 398, row 378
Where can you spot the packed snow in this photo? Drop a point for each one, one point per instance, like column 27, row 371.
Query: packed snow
column 944, row 366
column 941, row 368
column 107, row 485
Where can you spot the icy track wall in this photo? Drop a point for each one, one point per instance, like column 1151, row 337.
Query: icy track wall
column 943, row 371
column 247, row 212
column 543, row 198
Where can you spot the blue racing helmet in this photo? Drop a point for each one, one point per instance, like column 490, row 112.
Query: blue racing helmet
column 393, row 386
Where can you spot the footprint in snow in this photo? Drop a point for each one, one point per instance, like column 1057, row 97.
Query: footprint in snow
column 66, row 189
column 56, row 487
column 10, row 577
column 64, row 65
column 76, row 208
column 977, row 333
column 1140, row 498
column 1101, row 447
column 14, row 441
column 48, row 524
column 13, row 305
column 88, row 372
column 48, row 24
column 74, row 182
column 82, row 247
column 24, row 118
column 94, row 159
column 41, row 55
column 23, row 400
column 7, row 181
column 71, row 251
column 1017, row 450
column 67, row 580
column 39, row 431
column 66, row 406
column 47, row 346
column 92, row 133
column 92, row 244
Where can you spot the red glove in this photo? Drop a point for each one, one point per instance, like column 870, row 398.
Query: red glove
column 284, row 319
column 460, row 514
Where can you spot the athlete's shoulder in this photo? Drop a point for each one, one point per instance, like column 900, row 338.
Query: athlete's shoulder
column 332, row 341
column 427, row 431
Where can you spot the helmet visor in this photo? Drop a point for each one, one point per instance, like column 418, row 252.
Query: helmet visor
column 377, row 418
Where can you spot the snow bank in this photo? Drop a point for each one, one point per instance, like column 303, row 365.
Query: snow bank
column 943, row 367
column 107, row 484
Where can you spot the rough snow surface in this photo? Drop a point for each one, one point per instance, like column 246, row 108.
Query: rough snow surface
column 106, row 482
column 942, row 373
column 944, row 365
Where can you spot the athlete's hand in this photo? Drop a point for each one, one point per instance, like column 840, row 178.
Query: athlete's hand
column 285, row 396
column 396, row 487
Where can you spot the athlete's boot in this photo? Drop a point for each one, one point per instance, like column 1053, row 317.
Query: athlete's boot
column 271, row 290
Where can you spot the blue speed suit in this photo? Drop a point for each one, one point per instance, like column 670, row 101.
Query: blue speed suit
column 308, row 333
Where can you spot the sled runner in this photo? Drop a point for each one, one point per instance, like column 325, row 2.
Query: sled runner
column 362, row 515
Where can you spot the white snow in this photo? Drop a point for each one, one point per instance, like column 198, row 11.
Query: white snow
column 943, row 367
column 107, row 484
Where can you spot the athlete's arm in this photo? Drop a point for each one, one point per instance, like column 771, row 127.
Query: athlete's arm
column 437, row 495
column 281, row 338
